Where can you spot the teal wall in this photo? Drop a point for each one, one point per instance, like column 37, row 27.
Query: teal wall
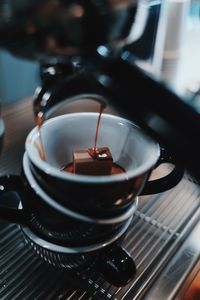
column 18, row 78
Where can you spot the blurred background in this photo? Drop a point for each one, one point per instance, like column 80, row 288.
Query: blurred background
column 19, row 78
column 172, row 50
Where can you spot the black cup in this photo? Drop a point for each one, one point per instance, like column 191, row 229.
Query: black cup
column 100, row 196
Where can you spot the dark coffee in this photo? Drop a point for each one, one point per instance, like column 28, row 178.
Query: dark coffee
column 116, row 169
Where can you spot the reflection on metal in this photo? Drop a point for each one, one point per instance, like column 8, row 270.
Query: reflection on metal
column 176, row 273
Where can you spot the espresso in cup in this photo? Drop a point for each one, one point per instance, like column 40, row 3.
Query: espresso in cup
column 92, row 161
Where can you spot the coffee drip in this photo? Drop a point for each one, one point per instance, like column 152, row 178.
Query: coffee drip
column 41, row 149
column 93, row 151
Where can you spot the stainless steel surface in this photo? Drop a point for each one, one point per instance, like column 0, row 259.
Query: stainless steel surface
column 160, row 229
column 177, row 271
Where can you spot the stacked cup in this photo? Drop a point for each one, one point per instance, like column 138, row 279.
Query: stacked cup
column 76, row 221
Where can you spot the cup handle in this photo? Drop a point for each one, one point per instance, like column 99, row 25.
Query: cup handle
column 167, row 182
column 11, row 190
column 117, row 266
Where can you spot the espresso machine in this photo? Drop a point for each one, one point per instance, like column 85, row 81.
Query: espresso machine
column 89, row 48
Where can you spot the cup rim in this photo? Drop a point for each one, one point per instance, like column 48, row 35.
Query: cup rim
column 64, row 210
column 88, row 179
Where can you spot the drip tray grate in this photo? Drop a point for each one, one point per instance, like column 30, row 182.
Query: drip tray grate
column 158, row 228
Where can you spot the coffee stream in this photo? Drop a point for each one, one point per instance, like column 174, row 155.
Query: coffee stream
column 39, row 122
column 93, row 151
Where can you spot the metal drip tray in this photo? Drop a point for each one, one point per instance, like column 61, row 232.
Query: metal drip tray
column 158, row 229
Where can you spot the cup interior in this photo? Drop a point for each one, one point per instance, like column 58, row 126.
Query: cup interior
column 131, row 148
